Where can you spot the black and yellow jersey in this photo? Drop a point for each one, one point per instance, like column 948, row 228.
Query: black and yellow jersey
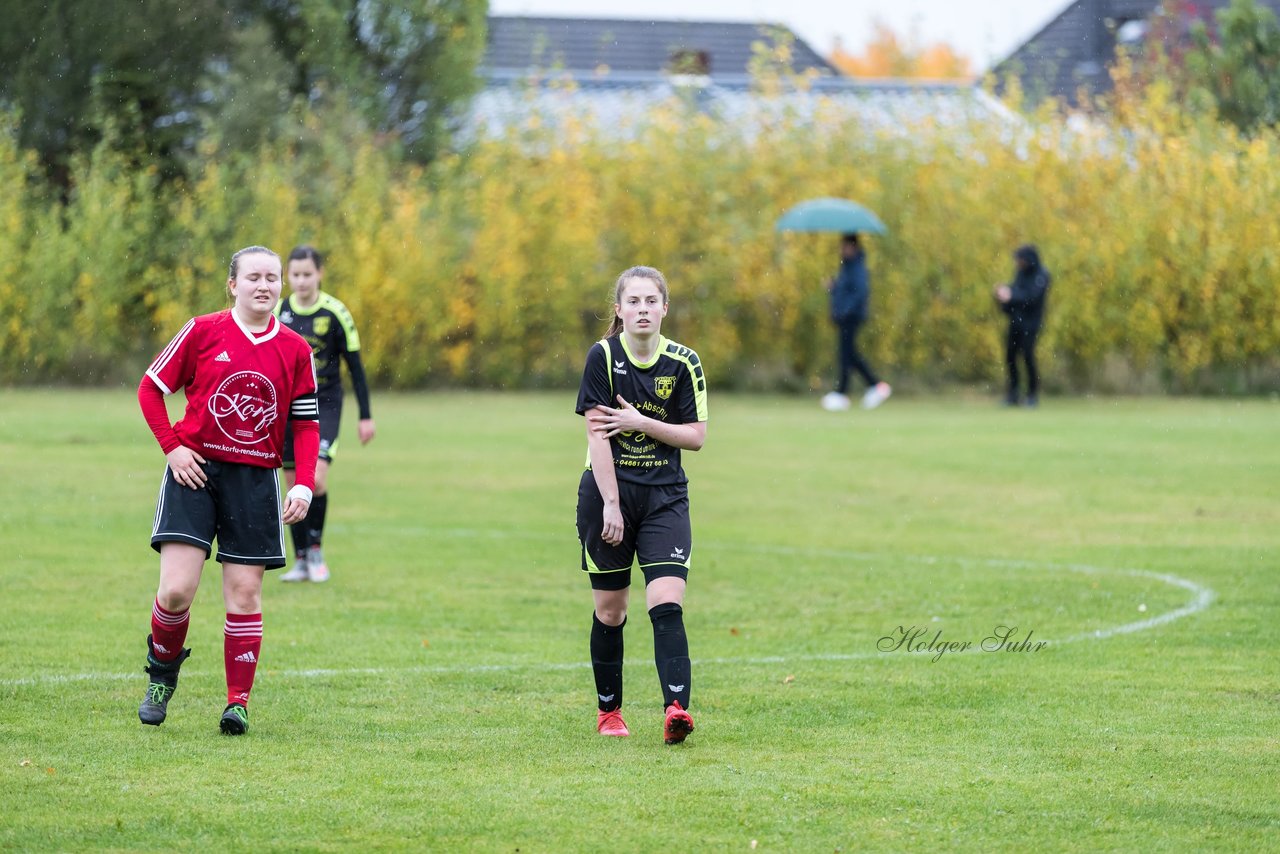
column 330, row 330
column 670, row 387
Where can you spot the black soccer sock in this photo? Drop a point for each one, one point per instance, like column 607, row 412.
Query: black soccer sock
column 671, row 652
column 315, row 519
column 298, row 530
column 606, row 662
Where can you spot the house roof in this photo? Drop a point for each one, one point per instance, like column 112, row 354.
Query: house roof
column 585, row 46
column 877, row 108
column 617, row 68
column 1075, row 48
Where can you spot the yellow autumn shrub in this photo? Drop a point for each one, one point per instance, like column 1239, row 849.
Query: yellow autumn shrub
column 494, row 267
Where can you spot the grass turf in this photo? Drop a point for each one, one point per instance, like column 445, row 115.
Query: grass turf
column 435, row 694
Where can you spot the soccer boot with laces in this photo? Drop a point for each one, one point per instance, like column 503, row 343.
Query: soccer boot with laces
column 235, row 720
column 162, row 682
column 678, row 724
column 611, row 723
column 317, row 569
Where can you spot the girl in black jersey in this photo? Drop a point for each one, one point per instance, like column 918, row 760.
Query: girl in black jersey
column 328, row 327
column 645, row 400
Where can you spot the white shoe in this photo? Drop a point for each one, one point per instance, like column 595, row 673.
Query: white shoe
column 298, row 573
column 317, row 569
column 834, row 401
column 876, row 395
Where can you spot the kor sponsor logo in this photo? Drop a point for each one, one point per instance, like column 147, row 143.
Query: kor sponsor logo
column 244, row 407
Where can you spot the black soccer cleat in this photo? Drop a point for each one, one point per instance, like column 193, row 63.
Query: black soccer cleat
column 235, row 720
column 161, row 685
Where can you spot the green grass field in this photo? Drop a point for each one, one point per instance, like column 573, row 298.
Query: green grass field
column 435, row 695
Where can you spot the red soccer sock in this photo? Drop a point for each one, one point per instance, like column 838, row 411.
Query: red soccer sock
column 168, row 632
column 241, row 643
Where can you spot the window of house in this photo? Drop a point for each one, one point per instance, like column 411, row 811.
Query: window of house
column 1131, row 32
column 688, row 62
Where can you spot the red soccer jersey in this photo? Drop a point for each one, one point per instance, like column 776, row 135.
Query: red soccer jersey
column 240, row 386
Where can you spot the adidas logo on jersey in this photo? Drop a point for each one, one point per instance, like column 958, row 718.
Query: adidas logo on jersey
column 247, row 657
column 620, row 368
column 222, row 357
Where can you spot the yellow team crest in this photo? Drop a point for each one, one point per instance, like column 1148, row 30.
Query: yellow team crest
column 320, row 326
column 662, row 386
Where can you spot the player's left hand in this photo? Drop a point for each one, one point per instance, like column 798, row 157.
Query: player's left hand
column 295, row 510
column 297, row 501
column 626, row 418
column 367, row 430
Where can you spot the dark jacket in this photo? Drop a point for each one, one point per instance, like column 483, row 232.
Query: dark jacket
column 1029, row 291
column 851, row 292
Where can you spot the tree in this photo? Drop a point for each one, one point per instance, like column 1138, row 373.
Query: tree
column 890, row 55
column 1238, row 66
column 407, row 63
column 161, row 74
column 940, row 61
column 70, row 67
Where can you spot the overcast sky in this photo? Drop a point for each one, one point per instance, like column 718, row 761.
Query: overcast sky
column 983, row 30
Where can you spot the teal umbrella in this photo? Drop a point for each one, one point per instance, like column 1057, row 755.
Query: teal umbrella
column 830, row 215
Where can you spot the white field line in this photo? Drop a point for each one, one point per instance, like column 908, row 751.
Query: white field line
column 1201, row 598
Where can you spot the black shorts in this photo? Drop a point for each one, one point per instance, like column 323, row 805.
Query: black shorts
column 655, row 531
column 330, row 418
column 240, row 505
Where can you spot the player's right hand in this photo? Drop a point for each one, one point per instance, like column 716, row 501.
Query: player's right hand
column 612, row 533
column 185, row 465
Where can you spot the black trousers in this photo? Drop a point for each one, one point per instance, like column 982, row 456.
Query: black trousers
column 1021, row 341
column 849, row 357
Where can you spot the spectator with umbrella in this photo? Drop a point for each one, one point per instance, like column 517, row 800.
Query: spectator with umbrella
column 850, row 291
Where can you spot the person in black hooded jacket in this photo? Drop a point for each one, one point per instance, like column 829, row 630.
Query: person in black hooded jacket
column 1023, row 300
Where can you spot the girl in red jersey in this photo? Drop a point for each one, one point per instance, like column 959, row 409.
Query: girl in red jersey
column 244, row 374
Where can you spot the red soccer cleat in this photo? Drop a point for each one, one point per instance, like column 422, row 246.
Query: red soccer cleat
column 678, row 724
column 611, row 723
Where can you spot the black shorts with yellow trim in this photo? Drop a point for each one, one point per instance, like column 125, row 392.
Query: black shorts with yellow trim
column 239, row 505
column 655, row 533
column 330, row 405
